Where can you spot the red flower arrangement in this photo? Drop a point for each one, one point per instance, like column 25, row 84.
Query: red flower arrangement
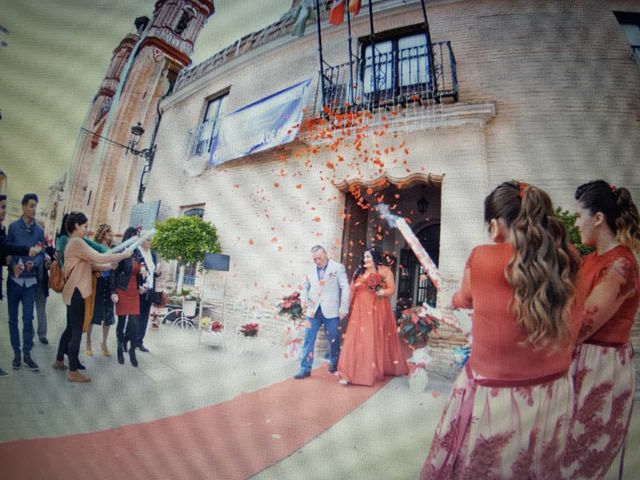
column 250, row 329
column 374, row 282
column 290, row 305
column 216, row 326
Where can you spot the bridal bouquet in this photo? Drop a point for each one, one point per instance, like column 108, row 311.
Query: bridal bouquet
column 374, row 282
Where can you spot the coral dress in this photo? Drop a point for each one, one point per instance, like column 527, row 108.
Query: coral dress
column 371, row 348
column 509, row 411
column 603, row 369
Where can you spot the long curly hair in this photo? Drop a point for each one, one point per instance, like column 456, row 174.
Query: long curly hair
column 544, row 265
column 100, row 231
column 617, row 207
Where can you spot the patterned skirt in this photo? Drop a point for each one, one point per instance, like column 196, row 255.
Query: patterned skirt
column 604, row 383
column 498, row 429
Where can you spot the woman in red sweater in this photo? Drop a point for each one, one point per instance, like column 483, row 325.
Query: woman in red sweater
column 603, row 368
column 508, row 412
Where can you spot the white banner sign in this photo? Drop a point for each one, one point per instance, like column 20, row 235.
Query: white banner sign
column 267, row 123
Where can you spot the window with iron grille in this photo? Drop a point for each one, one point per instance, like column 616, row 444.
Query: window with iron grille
column 208, row 129
column 630, row 23
column 401, row 65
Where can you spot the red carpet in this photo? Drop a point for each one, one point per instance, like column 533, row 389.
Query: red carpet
column 231, row 440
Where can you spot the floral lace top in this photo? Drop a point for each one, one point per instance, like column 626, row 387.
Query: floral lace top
column 612, row 280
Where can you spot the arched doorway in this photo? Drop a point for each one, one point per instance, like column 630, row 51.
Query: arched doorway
column 417, row 200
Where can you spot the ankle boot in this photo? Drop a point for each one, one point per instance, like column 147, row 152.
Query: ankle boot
column 120, row 353
column 78, row 377
column 132, row 356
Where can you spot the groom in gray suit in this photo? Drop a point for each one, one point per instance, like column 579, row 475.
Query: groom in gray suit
column 326, row 295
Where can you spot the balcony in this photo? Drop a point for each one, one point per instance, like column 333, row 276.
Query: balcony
column 402, row 76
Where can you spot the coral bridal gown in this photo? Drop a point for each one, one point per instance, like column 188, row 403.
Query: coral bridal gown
column 371, row 348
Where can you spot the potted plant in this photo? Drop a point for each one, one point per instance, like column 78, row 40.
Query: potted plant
column 250, row 329
column 190, row 303
column 415, row 324
column 185, row 239
column 291, row 307
column 211, row 330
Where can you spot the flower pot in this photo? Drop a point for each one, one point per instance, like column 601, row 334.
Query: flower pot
column 189, row 308
column 418, row 380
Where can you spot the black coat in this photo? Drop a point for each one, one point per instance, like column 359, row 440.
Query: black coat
column 7, row 249
column 120, row 277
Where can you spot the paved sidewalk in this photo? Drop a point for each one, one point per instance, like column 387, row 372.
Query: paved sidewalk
column 387, row 437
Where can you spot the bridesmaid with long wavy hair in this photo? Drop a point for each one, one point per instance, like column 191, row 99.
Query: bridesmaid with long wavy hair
column 603, row 368
column 509, row 410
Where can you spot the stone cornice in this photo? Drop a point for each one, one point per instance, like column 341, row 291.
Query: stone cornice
column 419, row 118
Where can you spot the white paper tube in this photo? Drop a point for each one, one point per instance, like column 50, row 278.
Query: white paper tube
column 423, row 257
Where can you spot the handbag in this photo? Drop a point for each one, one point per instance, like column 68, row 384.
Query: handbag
column 56, row 277
column 155, row 297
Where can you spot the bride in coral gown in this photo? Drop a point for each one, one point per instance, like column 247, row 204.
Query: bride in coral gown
column 371, row 348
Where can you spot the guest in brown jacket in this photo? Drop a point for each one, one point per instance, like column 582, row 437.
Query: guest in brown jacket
column 80, row 261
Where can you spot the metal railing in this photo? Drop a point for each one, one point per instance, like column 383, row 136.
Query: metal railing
column 401, row 76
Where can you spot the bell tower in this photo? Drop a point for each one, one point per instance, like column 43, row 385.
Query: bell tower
column 106, row 175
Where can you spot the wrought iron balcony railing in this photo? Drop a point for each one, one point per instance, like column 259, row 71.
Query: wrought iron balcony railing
column 401, row 76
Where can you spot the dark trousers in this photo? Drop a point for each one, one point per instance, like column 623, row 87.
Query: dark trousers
column 70, row 339
column 145, row 309
column 127, row 329
column 17, row 294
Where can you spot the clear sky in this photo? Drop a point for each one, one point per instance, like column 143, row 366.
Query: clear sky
column 53, row 56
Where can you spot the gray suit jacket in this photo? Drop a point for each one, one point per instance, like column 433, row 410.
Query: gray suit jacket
column 332, row 295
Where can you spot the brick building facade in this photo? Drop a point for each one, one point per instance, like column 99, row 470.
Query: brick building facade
column 546, row 92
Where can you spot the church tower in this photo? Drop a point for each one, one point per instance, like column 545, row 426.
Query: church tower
column 106, row 177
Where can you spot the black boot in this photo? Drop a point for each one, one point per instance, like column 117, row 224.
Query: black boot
column 120, row 353
column 124, row 346
column 132, row 355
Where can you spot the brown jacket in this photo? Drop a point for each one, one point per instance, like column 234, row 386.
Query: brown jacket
column 79, row 261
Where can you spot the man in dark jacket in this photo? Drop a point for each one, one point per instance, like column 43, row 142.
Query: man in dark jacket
column 7, row 249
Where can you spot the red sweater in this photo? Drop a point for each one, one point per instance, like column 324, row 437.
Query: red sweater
column 499, row 350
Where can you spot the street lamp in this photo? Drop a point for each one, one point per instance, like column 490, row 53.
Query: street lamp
column 423, row 203
column 147, row 154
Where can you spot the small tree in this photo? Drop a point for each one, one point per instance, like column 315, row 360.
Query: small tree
column 569, row 221
column 185, row 239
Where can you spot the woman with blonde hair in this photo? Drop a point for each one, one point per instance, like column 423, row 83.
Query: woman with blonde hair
column 509, row 410
column 603, row 368
column 103, row 306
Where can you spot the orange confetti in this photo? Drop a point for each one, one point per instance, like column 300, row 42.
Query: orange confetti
column 299, row 186
column 331, row 166
column 316, row 219
column 250, row 242
column 277, row 185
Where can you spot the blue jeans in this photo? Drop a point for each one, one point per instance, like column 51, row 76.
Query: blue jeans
column 27, row 296
column 331, row 329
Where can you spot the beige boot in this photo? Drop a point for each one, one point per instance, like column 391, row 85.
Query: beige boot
column 59, row 365
column 78, row 377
